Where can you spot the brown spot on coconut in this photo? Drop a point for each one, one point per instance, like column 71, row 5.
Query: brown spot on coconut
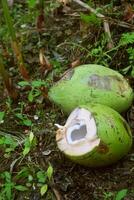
column 89, row 140
column 102, row 148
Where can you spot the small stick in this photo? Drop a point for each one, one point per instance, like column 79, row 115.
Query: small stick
column 105, row 22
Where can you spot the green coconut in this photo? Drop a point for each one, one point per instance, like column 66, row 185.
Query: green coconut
column 94, row 135
column 92, row 83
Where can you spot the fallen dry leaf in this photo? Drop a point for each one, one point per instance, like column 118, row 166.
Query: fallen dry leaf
column 44, row 62
column 128, row 13
column 65, row 2
column 40, row 21
column 75, row 63
column 24, row 72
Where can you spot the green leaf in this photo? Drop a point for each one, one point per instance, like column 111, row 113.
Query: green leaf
column 41, row 175
column 43, row 189
column 121, row 194
column 31, row 96
column 31, row 3
column 90, row 19
column 31, row 137
column 7, row 176
column 19, row 115
column 30, row 178
column 27, row 122
column 27, row 147
column 8, row 190
column 8, row 150
column 10, row 141
column 20, row 187
column 38, row 83
column 23, row 173
column 127, row 38
column 2, row 140
column 23, row 83
column 2, row 114
column 26, row 151
column 49, row 172
column 33, row 93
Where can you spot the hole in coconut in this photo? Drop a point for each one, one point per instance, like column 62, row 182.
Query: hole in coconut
column 78, row 134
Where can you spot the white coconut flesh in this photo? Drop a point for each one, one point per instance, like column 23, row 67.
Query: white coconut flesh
column 79, row 135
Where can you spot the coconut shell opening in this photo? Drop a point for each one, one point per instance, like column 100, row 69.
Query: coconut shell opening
column 76, row 133
column 79, row 135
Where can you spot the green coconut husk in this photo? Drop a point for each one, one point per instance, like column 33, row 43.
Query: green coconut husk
column 94, row 135
column 92, row 83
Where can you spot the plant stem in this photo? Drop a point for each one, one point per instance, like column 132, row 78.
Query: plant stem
column 7, row 81
column 14, row 41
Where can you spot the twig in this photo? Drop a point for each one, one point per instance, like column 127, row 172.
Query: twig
column 105, row 22
column 121, row 23
column 57, row 194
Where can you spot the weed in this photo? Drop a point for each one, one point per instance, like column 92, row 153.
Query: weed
column 35, row 88
column 121, row 194
column 91, row 19
column 23, row 119
column 8, row 144
column 29, row 143
column 2, row 114
column 8, row 186
column 108, row 195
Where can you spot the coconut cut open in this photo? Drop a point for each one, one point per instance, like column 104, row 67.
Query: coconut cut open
column 79, row 135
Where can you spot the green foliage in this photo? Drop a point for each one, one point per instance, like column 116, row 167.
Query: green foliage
column 8, row 186
column 30, row 143
column 43, row 189
column 90, row 19
column 126, row 38
column 2, row 114
column 121, row 194
column 23, row 119
column 35, row 88
column 49, row 172
column 108, row 195
column 31, row 177
column 31, row 3
column 8, row 144
column 130, row 52
column 43, row 177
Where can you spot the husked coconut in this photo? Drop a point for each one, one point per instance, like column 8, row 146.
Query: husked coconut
column 92, row 84
column 94, row 135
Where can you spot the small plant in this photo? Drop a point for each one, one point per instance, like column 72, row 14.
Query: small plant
column 23, row 119
column 38, row 178
column 42, row 178
column 31, row 3
column 8, row 185
column 127, row 38
column 108, row 195
column 121, row 194
column 30, row 142
column 35, row 88
column 8, row 144
column 91, row 19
